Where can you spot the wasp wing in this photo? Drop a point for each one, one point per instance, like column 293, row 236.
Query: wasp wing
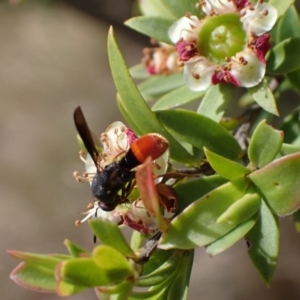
column 86, row 136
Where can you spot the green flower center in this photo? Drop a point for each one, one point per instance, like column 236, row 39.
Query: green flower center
column 221, row 36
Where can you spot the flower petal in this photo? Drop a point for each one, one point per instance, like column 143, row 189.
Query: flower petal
column 218, row 6
column 251, row 73
column 115, row 140
column 186, row 50
column 240, row 4
column 96, row 212
column 198, row 73
column 183, row 28
column 259, row 20
column 138, row 218
column 261, row 45
column 171, row 63
column 161, row 166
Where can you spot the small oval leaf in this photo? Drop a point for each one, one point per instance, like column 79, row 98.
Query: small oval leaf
column 75, row 250
column 294, row 79
column 107, row 258
column 264, row 97
column 281, row 6
column 278, row 182
column 215, row 101
column 179, row 288
column 287, row 149
column 197, row 224
column 200, row 131
column 46, row 263
column 264, row 145
column 159, row 85
column 263, row 241
column 241, row 210
column 154, row 27
column 192, row 190
column 138, row 72
column 180, row 8
column 233, row 236
column 34, row 279
column 226, row 168
column 289, row 25
column 161, row 273
column 284, row 57
column 86, row 273
column 177, row 97
column 110, row 234
column 155, row 8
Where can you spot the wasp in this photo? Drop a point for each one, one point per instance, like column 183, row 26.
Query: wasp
column 108, row 182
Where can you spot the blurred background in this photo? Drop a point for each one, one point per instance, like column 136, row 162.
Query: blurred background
column 53, row 58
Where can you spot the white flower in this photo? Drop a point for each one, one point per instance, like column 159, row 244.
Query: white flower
column 161, row 60
column 96, row 212
column 228, row 45
column 138, row 218
column 201, row 70
column 115, row 140
column 259, row 20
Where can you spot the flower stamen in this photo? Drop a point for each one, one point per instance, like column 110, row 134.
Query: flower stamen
column 196, row 75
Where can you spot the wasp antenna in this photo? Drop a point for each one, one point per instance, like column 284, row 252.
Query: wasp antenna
column 85, row 134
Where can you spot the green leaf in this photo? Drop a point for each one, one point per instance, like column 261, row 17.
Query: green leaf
column 45, row 263
column 177, row 97
column 136, row 240
column 190, row 191
column 158, row 258
column 180, row 285
column 215, row 101
column 230, row 123
column 294, row 79
column 281, row 6
column 112, row 261
column 158, row 85
column 291, row 126
column 139, row 72
column 264, row 97
column 287, row 149
column 200, row 131
column 197, row 224
column 86, row 272
column 65, row 289
column 74, row 249
column 233, row 236
column 154, row 27
column 111, row 235
column 153, row 293
column 289, row 25
column 241, row 210
column 279, row 183
column 120, row 291
column 296, row 219
column 34, row 279
column 263, row 240
column 180, row 8
column 155, row 8
column 225, row 167
column 284, row 57
column 133, row 106
column 264, row 145
column 162, row 272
